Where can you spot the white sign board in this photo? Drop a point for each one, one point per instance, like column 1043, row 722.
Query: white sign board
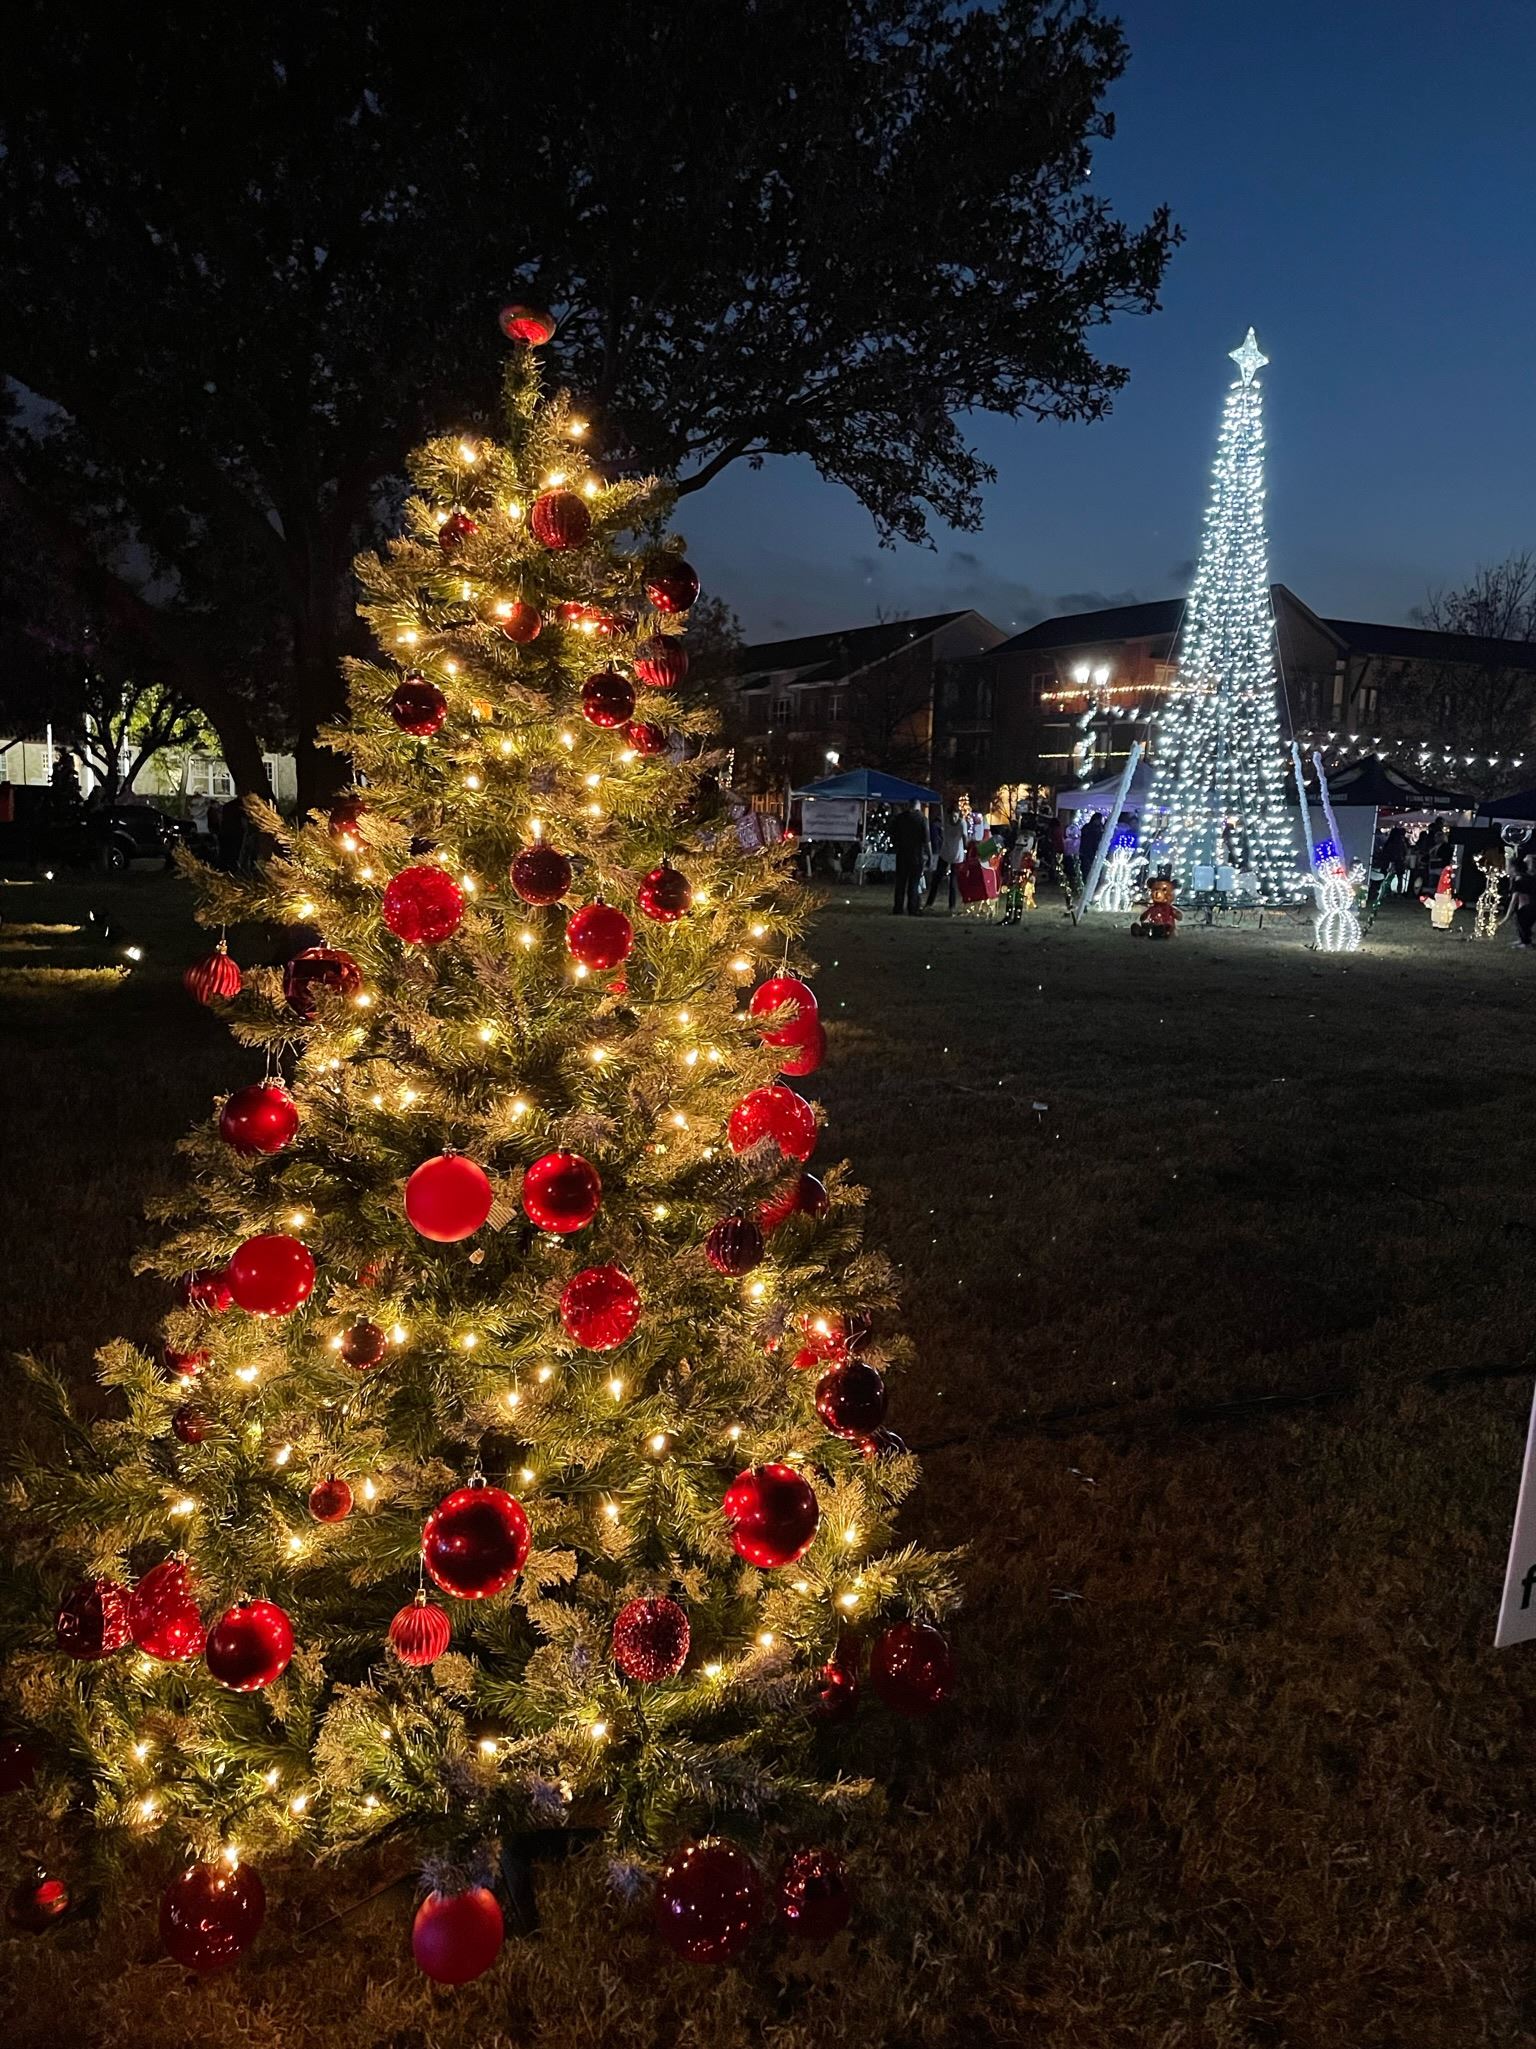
column 1517, row 1610
column 830, row 818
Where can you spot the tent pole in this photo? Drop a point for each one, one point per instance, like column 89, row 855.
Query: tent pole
column 1091, row 881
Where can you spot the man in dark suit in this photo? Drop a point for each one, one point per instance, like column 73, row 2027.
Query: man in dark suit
column 909, row 842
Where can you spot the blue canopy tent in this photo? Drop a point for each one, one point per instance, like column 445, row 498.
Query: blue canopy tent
column 836, row 809
column 869, row 786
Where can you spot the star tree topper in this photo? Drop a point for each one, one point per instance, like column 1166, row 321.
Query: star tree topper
column 1250, row 357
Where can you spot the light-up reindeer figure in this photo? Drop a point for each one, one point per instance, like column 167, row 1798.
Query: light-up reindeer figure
column 1490, row 903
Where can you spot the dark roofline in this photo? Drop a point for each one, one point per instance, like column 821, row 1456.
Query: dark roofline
column 1082, row 629
column 1423, row 644
column 861, row 645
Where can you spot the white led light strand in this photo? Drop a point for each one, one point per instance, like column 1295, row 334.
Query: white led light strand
column 1218, row 783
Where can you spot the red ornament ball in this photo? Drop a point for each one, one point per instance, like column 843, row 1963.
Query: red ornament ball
column 37, row 1903
column 343, row 822
column 448, row 1198
column 206, row 1287
column 184, row 1365
column 211, row 1914
column 417, row 706
column 775, row 1113
column 600, row 1307
column 709, row 1900
column 455, row 530
column 661, row 662
column 803, row 1195
column 778, row 992
column 645, row 737
column 330, row 1501
column 808, row 1054
column 475, row 1542
column 599, row 936
column 773, row 1513
column 189, row 1424
column 92, row 1620
column 319, row 968
column 423, row 906
column 162, row 1614
column 420, row 1633
column 260, row 1119
column 561, row 1192
column 363, row 1344
column 651, row 1639
column 215, row 978
column 540, row 874
column 837, row 1690
column 913, row 1668
column 671, row 584
column 271, row 1275
column 813, row 1895
column 734, row 1246
column 530, row 324
column 666, row 895
column 607, row 699
column 521, row 622
column 851, row 1399
column 19, row 1765
column 457, row 1936
column 560, row 519
column 249, row 1646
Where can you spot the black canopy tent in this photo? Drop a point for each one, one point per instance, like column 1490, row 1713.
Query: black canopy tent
column 1386, row 787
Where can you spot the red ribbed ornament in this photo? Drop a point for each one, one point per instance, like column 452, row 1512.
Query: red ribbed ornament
column 560, row 519
column 661, row 662
column 420, row 1633
column 215, row 978
column 734, row 1246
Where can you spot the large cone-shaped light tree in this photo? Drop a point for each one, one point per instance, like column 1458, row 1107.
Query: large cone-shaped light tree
column 1218, row 783
column 514, row 1454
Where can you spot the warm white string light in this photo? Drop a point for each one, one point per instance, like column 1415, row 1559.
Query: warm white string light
column 1218, row 785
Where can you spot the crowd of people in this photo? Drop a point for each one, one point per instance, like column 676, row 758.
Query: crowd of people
column 954, row 850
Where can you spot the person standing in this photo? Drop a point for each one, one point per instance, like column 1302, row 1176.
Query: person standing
column 1088, row 843
column 950, row 852
column 1522, row 903
column 1394, row 858
column 909, row 842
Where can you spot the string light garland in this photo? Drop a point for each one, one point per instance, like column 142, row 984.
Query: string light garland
column 1218, row 781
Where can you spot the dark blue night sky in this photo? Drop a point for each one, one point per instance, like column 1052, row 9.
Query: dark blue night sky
column 1358, row 180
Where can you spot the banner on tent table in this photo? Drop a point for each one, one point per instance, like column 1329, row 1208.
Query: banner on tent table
column 829, row 818
column 1517, row 1610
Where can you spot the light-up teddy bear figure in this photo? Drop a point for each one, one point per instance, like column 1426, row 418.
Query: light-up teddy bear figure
column 1337, row 929
column 1116, row 885
column 1489, row 904
column 1444, row 904
column 1158, row 920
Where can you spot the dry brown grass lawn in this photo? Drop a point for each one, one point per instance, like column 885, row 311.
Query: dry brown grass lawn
column 1234, row 1763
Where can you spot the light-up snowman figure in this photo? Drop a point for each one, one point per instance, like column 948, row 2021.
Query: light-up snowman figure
column 1444, row 904
column 1336, row 929
column 1117, row 884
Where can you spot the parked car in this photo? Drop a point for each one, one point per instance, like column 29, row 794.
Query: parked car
column 111, row 838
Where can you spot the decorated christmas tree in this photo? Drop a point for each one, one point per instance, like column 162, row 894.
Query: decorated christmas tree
column 513, row 1457
column 1218, row 783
